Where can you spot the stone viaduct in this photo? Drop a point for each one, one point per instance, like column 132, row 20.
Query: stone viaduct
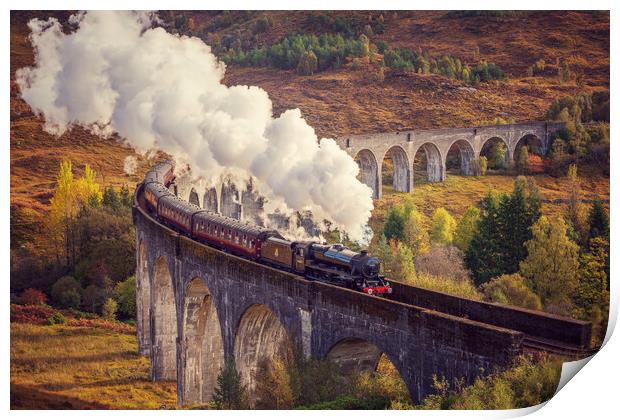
column 370, row 150
column 198, row 306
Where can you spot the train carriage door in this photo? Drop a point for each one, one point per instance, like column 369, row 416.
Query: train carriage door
column 300, row 260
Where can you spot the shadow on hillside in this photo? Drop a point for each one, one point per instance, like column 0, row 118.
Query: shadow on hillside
column 25, row 397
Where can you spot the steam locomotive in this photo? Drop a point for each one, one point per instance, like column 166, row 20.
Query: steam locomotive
column 333, row 264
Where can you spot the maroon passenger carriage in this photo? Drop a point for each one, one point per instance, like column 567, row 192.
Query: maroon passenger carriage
column 334, row 264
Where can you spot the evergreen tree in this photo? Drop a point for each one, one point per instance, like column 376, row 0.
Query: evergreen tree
column 442, row 227
column 394, row 225
column 484, row 255
column 551, row 266
column 598, row 220
column 111, row 199
column 125, row 197
column 229, row 394
column 466, row 228
column 517, row 213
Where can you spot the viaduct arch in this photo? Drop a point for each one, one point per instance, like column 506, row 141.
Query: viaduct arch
column 205, row 306
column 436, row 143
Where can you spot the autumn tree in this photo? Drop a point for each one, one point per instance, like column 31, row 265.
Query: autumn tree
column 414, row 234
column 551, row 266
column 445, row 261
column 71, row 196
column 109, row 308
column 442, row 227
column 576, row 213
column 273, row 385
column 497, row 155
column 402, row 268
column 383, row 252
column 591, row 295
column 522, row 162
column 511, row 289
column 466, row 228
column 308, row 64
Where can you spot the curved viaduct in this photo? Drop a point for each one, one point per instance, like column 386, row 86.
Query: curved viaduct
column 198, row 306
column 370, row 150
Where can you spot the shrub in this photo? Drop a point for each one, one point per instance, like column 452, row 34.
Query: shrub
column 67, row 292
column 57, row 318
column 511, row 289
column 108, row 311
column 380, row 75
column 375, row 402
column 443, row 261
column 125, row 295
column 526, row 384
column 32, row 296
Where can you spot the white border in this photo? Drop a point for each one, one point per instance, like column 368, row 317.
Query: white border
column 592, row 395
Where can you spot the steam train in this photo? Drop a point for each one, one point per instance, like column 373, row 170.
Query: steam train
column 333, row 264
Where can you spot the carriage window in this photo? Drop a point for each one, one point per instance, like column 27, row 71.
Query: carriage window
column 300, row 252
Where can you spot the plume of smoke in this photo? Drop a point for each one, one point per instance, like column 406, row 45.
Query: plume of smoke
column 130, row 165
column 118, row 73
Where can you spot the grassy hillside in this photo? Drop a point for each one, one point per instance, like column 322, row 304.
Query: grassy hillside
column 63, row 367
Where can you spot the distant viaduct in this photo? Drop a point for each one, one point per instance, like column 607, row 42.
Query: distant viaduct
column 370, row 150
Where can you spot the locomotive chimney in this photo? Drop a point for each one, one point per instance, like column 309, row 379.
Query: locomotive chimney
column 364, row 252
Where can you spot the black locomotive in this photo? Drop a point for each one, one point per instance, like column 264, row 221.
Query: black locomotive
column 334, row 264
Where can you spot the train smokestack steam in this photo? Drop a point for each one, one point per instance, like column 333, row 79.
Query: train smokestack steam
column 116, row 72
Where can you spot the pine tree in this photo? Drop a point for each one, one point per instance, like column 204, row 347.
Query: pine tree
column 229, row 394
column 517, row 213
column 484, row 255
column 551, row 266
column 598, row 220
column 442, row 227
column 466, row 228
column 111, row 199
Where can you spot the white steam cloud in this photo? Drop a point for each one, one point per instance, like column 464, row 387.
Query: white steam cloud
column 130, row 165
column 116, row 73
